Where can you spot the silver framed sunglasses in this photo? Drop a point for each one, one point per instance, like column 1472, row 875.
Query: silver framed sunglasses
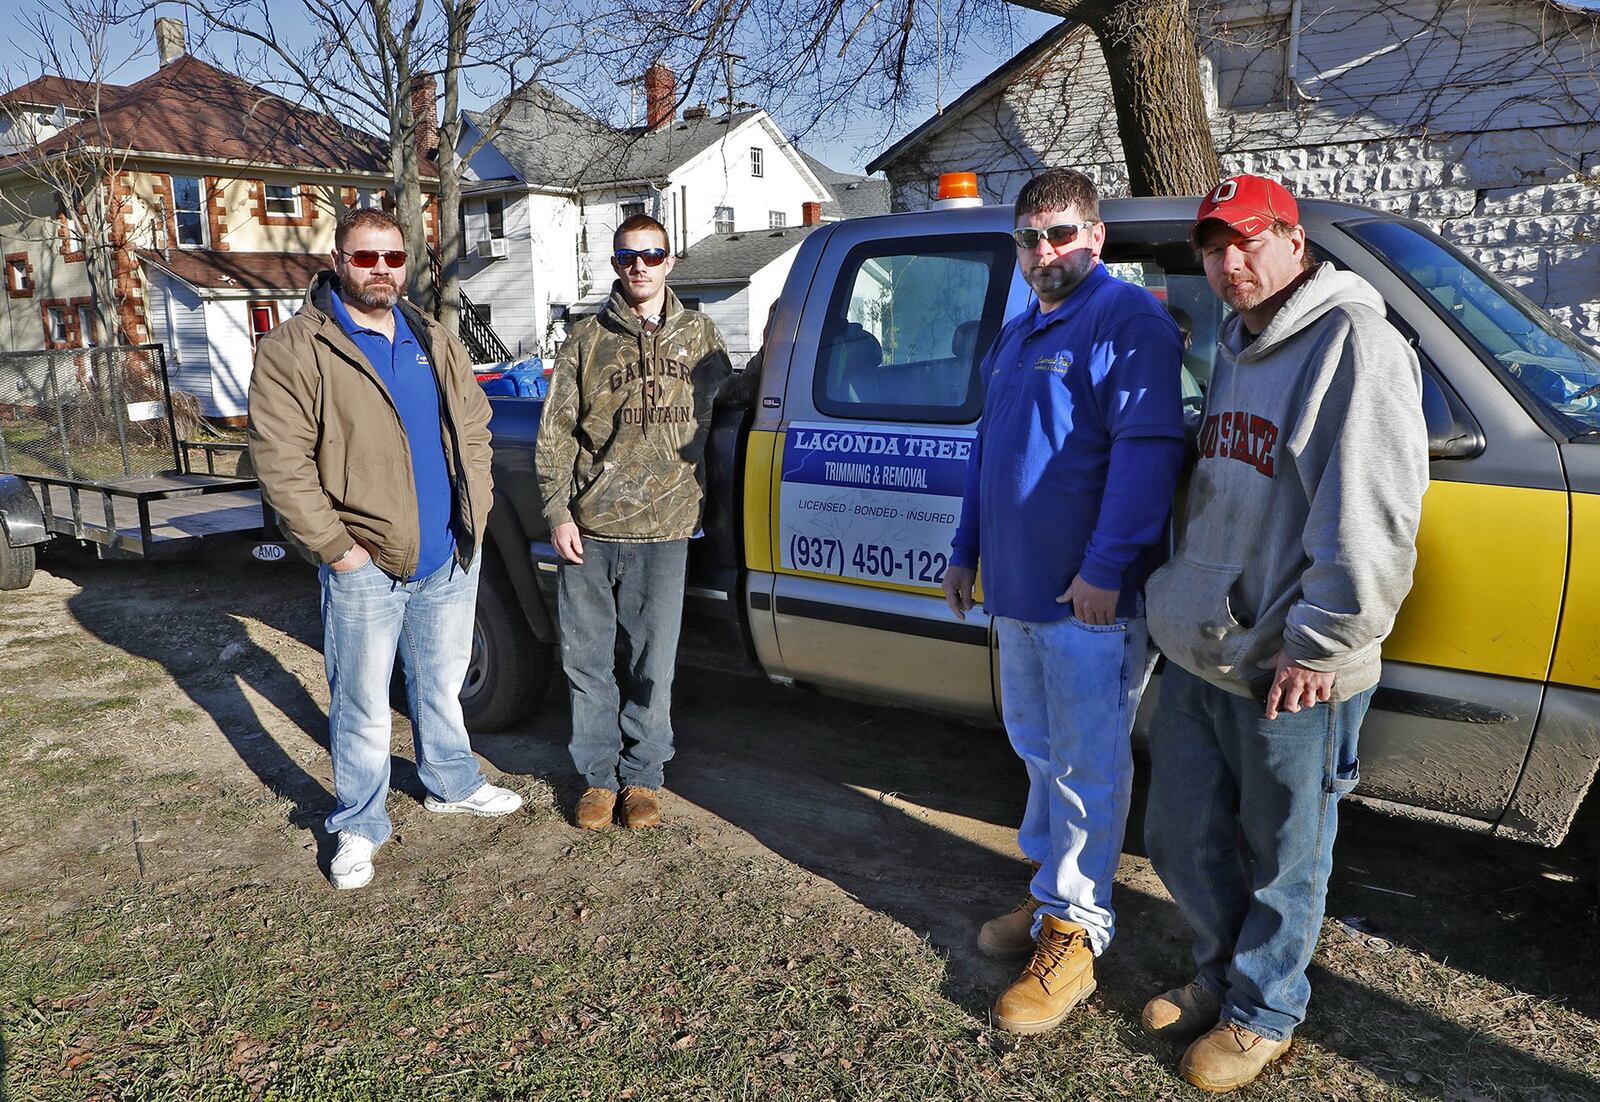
column 1062, row 233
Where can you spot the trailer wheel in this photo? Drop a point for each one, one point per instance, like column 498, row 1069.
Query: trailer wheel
column 510, row 667
column 16, row 565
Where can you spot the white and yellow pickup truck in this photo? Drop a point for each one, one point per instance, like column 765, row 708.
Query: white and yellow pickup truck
column 834, row 490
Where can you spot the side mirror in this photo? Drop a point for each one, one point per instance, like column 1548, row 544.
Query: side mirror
column 1453, row 432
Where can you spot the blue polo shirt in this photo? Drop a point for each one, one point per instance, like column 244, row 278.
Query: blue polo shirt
column 1078, row 451
column 403, row 366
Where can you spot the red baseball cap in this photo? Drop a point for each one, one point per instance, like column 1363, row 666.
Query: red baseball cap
column 1248, row 204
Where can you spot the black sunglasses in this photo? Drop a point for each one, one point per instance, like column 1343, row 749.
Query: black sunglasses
column 368, row 258
column 651, row 257
column 1062, row 233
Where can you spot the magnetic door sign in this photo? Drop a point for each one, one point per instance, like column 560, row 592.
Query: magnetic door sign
column 874, row 503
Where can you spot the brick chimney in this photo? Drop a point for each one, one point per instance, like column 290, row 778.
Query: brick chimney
column 810, row 214
column 170, row 45
column 425, row 114
column 660, row 96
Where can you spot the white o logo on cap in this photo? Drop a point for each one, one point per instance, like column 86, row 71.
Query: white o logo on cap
column 1225, row 191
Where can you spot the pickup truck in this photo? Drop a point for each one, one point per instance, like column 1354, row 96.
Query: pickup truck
column 833, row 491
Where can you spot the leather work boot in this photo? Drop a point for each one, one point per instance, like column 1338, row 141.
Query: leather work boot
column 595, row 807
column 1010, row 934
column 1228, row 1057
column 641, row 807
column 1181, row 1014
column 1059, row 976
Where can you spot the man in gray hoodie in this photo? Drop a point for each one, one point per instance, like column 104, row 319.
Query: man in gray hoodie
column 1297, row 550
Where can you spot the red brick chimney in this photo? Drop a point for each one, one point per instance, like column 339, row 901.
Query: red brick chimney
column 425, row 114
column 810, row 214
column 660, row 96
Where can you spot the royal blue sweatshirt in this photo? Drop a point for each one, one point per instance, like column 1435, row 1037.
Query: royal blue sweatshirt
column 1078, row 451
column 405, row 370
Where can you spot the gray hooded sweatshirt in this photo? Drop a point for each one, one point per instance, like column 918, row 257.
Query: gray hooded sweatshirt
column 1301, row 524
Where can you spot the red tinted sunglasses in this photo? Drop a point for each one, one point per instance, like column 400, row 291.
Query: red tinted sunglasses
column 368, row 258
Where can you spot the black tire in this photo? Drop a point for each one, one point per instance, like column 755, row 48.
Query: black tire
column 16, row 565
column 510, row 667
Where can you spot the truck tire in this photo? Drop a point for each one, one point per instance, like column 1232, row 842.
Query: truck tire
column 16, row 565
column 510, row 667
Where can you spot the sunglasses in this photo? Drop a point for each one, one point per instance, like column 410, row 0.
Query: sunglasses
column 368, row 258
column 1062, row 233
column 651, row 257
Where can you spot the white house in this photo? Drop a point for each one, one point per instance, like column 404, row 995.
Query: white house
column 546, row 194
column 734, row 278
column 1480, row 119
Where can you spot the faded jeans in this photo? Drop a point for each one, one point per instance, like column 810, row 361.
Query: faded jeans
column 366, row 615
column 622, row 705
column 1069, row 692
column 1240, row 826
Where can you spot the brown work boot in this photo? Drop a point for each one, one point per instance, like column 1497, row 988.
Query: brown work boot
column 1181, row 1014
column 595, row 807
column 1011, row 934
column 1058, row 977
column 1228, row 1057
column 641, row 807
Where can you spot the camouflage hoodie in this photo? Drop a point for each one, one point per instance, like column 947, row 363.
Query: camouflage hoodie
column 623, row 430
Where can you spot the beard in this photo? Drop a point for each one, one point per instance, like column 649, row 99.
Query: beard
column 378, row 293
column 1246, row 295
column 1055, row 281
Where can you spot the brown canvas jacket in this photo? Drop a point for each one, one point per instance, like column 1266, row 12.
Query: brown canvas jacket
column 331, row 451
column 623, row 431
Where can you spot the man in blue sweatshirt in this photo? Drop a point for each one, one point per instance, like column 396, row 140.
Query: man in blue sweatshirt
column 1066, row 507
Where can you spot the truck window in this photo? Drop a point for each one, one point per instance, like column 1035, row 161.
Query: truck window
column 907, row 325
column 1189, row 299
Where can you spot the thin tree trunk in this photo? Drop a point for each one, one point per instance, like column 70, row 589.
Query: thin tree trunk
column 451, row 246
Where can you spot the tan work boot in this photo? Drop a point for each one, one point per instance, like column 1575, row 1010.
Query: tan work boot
column 641, row 807
column 1181, row 1014
column 595, row 807
column 1058, row 977
column 1228, row 1057
column 1011, row 934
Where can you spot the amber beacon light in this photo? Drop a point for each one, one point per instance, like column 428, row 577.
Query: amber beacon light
column 958, row 189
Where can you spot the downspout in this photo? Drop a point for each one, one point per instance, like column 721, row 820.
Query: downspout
column 1292, row 92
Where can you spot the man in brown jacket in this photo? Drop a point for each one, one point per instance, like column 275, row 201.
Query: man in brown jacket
column 371, row 440
column 621, row 440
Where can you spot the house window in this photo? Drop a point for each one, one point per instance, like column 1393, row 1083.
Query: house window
column 188, row 211
column 19, row 275
column 631, row 210
column 495, row 210
column 88, row 333
column 776, row 219
column 57, row 326
column 263, row 317
column 756, row 167
column 71, row 230
column 282, row 200
column 1249, row 64
column 690, row 303
column 724, row 220
column 366, row 199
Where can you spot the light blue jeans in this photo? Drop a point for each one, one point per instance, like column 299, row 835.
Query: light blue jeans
column 1069, row 691
column 1239, row 825
column 366, row 615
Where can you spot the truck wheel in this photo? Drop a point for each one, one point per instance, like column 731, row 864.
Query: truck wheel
column 510, row 667
column 16, row 565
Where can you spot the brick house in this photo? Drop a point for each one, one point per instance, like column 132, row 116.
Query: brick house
column 1480, row 119
column 220, row 200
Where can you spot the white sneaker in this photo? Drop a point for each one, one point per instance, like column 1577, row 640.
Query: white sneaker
column 488, row 800
column 352, row 864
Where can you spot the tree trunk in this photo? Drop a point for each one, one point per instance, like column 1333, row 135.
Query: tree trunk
column 459, row 18
column 1154, row 66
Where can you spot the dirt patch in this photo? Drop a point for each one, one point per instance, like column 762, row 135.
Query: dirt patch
column 801, row 929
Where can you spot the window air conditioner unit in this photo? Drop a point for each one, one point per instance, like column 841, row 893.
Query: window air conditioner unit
column 491, row 248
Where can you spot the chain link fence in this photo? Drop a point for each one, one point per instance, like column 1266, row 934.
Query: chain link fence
column 93, row 414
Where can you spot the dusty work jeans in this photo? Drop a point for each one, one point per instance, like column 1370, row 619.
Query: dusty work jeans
column 1240, row 824
column 366, row 615
column 1069, row 692
column 622, row 704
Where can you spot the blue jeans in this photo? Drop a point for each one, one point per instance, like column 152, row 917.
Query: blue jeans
column 1069, row 692
column 366, row 615
column 622, row 706
column 1240, row 825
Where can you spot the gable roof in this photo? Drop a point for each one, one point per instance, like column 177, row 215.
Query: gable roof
column 853, row 196
column 735, row 257
column 195, row 111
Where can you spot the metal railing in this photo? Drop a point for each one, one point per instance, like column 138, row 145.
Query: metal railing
column 477, row 334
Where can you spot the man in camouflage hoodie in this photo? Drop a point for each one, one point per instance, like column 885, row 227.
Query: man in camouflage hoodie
column 621, row 440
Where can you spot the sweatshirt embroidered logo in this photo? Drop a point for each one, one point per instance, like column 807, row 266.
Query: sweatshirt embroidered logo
column 1242, row 436
column 1058, row 364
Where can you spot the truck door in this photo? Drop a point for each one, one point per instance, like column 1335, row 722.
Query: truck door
column 880, row 409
